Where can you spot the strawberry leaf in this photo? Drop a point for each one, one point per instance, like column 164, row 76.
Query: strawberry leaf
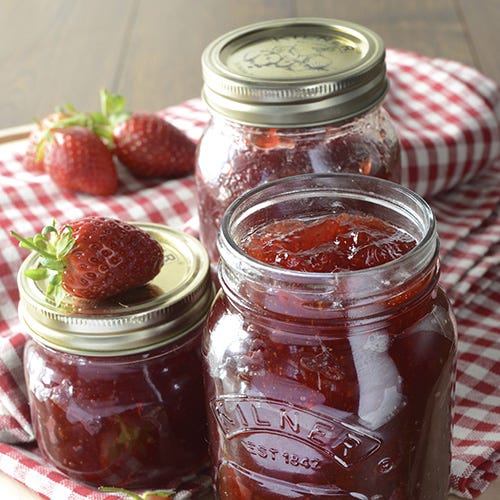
column 36, row 244
column 37, row 274
column 64, row 243
column 99, row 118
column 51, row 264
column 136, row 496
column 113, row 108
column 53, row 246
column 69, row 108
column 111, row 103
column 54, row 288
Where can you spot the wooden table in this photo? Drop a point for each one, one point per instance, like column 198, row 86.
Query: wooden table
column 55, row 51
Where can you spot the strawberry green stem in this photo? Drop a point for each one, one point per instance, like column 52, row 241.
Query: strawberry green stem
column 102, row 122
column 135, row 496
column 53, row 246
column 29, row 244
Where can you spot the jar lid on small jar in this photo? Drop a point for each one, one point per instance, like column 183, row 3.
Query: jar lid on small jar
column 170, row 306
column 295, row 72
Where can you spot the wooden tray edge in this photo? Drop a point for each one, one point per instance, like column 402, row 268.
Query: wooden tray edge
column 15, row 133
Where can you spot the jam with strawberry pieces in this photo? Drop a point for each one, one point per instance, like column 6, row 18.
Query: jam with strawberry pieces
column 135, row 421
column 329, row 353
column 345, row 242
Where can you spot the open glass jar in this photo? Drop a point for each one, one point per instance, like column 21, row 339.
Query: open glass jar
column 115, row 388
column 329, row 384
column 290, row 97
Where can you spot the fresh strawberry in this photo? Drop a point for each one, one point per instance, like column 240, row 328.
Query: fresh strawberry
column 32, row 159
column 93, row 258
column 149, row 146
column 146, row 144
column 77, row 159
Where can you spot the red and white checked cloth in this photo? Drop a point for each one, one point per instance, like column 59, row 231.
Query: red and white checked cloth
column 448, row 118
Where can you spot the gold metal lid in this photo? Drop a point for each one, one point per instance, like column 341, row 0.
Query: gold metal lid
column 294, row 72
column 168, row 307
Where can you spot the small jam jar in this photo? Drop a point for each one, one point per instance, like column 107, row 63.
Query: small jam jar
column 115, row 388
column 330, row 384
column 291, row 97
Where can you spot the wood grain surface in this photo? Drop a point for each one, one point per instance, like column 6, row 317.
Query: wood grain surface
column 58, row 51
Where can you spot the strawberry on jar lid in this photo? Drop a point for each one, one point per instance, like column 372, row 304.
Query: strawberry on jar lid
column 167, row 308
column 290, row 72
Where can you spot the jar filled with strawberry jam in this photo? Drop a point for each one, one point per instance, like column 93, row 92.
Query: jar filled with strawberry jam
column 115, row 388
column 290, row 97
column 330, row 349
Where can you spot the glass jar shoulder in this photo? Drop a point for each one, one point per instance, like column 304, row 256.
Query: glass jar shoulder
column 115, row 382
column 367, row 144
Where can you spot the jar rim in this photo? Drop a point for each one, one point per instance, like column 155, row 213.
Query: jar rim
column 402, row 201
column 298, row 71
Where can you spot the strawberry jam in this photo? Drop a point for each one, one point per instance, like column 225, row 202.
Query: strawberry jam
column 115, row 387
column 329, row 353
column 134, row 421
column 329, row 244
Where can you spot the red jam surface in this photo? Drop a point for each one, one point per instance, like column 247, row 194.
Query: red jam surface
column 322, row 409
column 134, row 421
column 230, row 162
column 331, row 244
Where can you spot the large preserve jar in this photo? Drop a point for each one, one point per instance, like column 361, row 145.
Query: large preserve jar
column 290, row 97
column 115, row 388
column 330, row 349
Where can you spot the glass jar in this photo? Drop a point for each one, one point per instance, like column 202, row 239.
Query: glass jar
column 330, row 384
column 115, row 388
column 291, row 97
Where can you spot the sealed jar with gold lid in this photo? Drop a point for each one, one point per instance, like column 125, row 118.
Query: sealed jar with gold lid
column 290, row 97
column 115, row 387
